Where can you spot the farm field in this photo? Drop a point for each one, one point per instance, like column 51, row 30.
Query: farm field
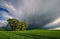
column 30, row 34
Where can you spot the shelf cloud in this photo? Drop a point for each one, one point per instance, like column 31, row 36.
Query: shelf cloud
column 42, row 13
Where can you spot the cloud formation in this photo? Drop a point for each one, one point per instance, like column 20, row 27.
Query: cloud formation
column 40, row 12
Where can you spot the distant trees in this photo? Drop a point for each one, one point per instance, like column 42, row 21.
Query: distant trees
column 17, row 25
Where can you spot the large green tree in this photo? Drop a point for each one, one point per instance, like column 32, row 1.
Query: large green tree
column 17, row 25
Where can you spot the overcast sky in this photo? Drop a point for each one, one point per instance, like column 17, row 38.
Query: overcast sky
column 42, row 12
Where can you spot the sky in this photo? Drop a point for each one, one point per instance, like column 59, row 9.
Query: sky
column 45, row 13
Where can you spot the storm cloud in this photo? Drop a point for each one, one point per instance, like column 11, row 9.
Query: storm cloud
column 38, row 13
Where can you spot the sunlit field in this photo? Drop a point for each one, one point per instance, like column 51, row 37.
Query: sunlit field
column 30, row 34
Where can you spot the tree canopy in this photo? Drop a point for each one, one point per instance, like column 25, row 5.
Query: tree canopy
column 17, row 25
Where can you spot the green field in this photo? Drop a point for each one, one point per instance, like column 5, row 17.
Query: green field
column 30, row 34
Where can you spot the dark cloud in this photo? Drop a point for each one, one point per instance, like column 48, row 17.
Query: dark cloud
column 37, row 13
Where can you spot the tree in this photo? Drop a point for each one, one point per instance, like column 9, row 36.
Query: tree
column 17, row 25
column 23, row 26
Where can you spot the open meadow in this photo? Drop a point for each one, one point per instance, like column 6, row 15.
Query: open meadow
column 30, row 34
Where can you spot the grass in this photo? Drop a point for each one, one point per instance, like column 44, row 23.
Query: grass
column 30, row 34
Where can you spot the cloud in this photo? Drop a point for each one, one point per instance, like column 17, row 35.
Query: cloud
column 54, row 24
column 41, row 12
column 3, row 23
column 58, row 28
column 6, row 16
column 10, row 7
column 6, row 10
